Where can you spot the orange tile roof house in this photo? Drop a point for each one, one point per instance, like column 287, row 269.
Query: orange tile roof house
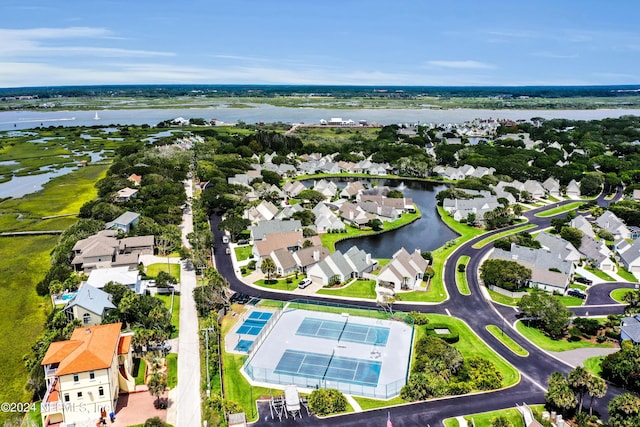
column 85, row 374
column 135, row 179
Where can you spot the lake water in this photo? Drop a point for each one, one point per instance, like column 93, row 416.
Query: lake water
column 14, row 120
column 427, row 233
column 21, row 185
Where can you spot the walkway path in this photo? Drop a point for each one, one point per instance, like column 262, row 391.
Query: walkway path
column 186, row 404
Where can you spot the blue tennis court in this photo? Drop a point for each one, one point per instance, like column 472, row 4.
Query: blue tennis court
column 330, row 368
column 243, row 345
column 254, row 323
column 343, row 331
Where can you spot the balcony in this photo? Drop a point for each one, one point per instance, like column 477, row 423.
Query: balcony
column 51, row 402
column 50, row 371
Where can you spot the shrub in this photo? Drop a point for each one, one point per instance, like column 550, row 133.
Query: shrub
column 289, row 279
column 252, row 265
column 462, row 268
column 327, row 401
column 419, row 318
column 575, row 334
column 587, row 326
column 451, row 338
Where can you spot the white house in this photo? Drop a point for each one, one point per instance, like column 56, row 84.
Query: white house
column 405, row 270
column 610, row 222
column 341, row 267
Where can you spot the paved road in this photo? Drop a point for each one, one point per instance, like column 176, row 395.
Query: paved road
column 187, row 396
column 478, row 313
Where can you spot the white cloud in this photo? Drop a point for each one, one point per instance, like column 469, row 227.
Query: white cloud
column 464, row 65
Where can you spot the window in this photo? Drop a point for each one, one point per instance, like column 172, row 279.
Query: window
column 66, row 397
column 76, row 378
column 100, row 391
column 86, row 318
column 79, row 395
column 92, row 375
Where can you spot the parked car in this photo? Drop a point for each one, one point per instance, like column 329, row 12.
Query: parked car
column 239, row 298
column 225, row 239
column 243, row 241
column 304, row 283
column 577, row 293
column 583, row 280
column 227, row 251
column 163, row 347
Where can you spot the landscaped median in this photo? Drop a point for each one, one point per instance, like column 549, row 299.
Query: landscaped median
column 461, row 276
column 507, row 341
column 538, row 338
column 559, row 210
column 484, row 419
column 618, row 294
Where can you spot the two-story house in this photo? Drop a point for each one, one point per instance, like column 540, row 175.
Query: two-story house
column 85, row 374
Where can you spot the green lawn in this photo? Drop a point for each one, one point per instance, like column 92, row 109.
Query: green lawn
column 541, row 340
column 569, row 301
column 329, row 239
column 173, row 269
column 175, row 314
column 559, row 210
column 626, row 275
column 618, row 294
column 367, row 403
column 601, row 274
column 594, row 364
column 142, row 368
column 461, row 277
column 507, row 341
column 172, row 370
column 361, row 288
column 435, row 293
column 484, row 242
column 243, row 252
column 503, row 299
column 281, row 284
column 484, row 419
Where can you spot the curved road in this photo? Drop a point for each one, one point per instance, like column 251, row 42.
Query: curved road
column 478, row 312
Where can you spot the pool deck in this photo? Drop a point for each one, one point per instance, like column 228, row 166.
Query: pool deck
column 393, row 356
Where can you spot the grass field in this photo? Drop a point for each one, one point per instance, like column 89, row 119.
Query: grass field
column 435, row 293
column 626, row 275
column 281, row 284
column 507, row 341
column 503, row 299
column 484, row 419
column 559, row 210
column 173, row 269
column 461, row 276
column 361, row 288
column 172, row 370
column 484, row 242
column 601, row 274
column 594, row 364
column 541, row 340
column 242, row 252
column 618, row 294
column 175, row 314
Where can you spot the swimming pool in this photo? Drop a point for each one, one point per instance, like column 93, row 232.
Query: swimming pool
column 254, row 323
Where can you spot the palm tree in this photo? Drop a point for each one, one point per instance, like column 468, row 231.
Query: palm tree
column 597, row 388
column 579, row 381
column 268, row 267
column 157, row 384
column 559, row 393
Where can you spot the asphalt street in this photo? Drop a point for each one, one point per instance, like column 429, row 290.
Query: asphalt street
column 478, row 313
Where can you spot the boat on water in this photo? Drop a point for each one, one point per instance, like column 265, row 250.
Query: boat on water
column 96, row 117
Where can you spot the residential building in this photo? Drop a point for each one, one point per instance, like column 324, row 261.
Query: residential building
column 610, row 222
column 597, row 253
column 265, row 211
column 581, row 223
column 573, row 189
column 559, row 246
column 404, row 271
column 307, row 257
column 534, row 188
column 125, row 195
column 122, row 275
column 259, row 230
column 103, row 250
column 135, row 179
column 85, row 374
column 90, row 305
column 552, row 186
column 352, row 190
column 630, row 329
column 461, row 208
column 341, row 267
column 629, row 254
column 124, row 222
column 293, row 188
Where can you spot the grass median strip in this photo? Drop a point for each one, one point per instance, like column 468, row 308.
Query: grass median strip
column 559, row 210
column 537, row 337
column 484, row 242
column 461, row 276
column 618, row 294
column 507, row 341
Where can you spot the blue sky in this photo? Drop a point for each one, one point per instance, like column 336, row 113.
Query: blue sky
column 368, row 42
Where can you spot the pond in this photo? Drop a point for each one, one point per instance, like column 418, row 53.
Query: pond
column 427, row 233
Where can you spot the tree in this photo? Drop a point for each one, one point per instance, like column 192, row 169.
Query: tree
column 312, row 196
column 572, row 235
column 271, row 177
column 375, row 224
column 157, row 384
column 501, row 421
column 234, row 225
column 395, row 194
column 579, row 381
column 517, row 210
column 327, row 401
column 547, row 312
column 596, row 388
column 624, row 411
column 168, row 240
column 504, row 273
column 155, row 422
column 427, row 255
column 306, row 217
column 623, row 367
column 164, row 280
column 559, row 393
column 268, row 267
column 591, row 184
column 471, row 218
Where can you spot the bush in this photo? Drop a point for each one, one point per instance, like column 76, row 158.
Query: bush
column 252, row 265
column 451, row 338
column 612, row 334
column 418, row 318
column 462, row 268
column 289, row 279
column 587, row 326
column 327, row 401
column 575, row 334
column 601, row 338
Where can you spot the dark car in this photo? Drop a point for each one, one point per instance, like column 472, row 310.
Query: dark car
column 163, row 347
column 576, row 293
column 583, row 280
column 239, row 298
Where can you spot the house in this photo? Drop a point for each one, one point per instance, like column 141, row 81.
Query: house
column 548, row 270
column 597, row 253
column 135, row 179
column 263, row 228
column 103, row 250
column 90, row 306
column 325, row 219
column 327, row 188
column 573, row 189
column 293, row 188
column 355, row 215
column 288, row 211
column 352, row 190
column 307, row 257
column 610, row 222
column 580, row 222
column 402, row 204
column 85, row 374
column 291, row 241
column 284, row 261
column 461, row 208
column 240, row 179
column 534, row 188
column 122, row 275
column 552, row 186
column 124, row 222
column 629, row 255
column 559, row 246
column 630, row 329
column 125, row 195
column 405, row 270
column 341, row 267
column 265, row 211
column 481, row 171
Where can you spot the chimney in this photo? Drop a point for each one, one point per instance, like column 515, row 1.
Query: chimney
column 368, row 258
column 316, row 255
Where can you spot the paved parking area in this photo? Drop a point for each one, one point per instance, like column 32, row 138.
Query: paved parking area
column 136, row 408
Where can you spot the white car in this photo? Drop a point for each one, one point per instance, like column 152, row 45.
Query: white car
column 304, row 283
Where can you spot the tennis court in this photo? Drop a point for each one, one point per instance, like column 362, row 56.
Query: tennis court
column 254, row 323
column 344, row 331
column 329, row 367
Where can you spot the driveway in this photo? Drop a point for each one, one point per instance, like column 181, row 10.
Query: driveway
column 136, row 408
